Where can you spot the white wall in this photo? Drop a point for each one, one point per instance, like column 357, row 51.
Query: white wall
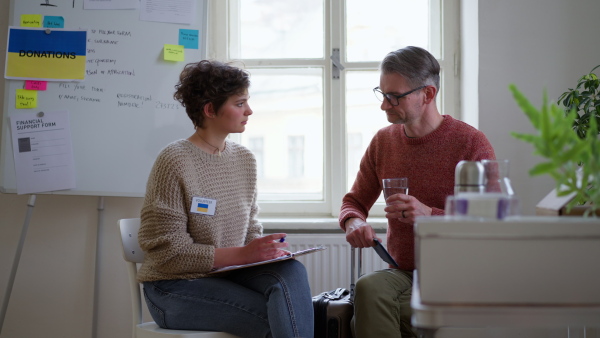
column 535, row 44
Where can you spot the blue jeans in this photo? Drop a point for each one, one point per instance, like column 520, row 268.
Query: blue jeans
column 271, row 300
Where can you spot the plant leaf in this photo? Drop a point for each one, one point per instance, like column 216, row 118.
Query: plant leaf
column 526, row 106
column 542, row 168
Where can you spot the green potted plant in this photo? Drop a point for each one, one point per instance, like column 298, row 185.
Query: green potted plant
column 585, row 99
column 572, row 157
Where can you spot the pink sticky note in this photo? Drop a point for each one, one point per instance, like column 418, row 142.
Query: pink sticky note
column 35, row 85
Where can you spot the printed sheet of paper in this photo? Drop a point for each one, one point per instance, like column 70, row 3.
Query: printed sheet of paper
column 43, row 152
column 172, row 11
column 110, row 4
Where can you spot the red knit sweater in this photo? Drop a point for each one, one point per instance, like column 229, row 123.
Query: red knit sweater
column 428, row 162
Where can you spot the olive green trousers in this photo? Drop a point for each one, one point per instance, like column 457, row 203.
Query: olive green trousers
column 382, row 305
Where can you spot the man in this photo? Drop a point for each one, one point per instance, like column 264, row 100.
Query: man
column 424, row 146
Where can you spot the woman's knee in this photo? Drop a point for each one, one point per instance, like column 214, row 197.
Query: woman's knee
column 294, row 269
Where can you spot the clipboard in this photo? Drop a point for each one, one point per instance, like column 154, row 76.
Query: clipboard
column 282, row 258
column 382, row 252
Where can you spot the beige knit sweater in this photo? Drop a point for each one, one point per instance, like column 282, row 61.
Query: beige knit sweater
column 178, row 243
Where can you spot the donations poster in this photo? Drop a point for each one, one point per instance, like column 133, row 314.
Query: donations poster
column 46, row 54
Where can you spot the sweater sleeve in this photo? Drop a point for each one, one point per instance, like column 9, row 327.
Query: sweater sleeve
column 255, row 229
column 482, row 148
column 163, row 232
column 364, row 192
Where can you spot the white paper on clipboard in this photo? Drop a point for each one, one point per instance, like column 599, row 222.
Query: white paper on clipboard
column 282, row 258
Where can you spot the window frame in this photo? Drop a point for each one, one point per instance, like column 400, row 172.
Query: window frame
column 334, row 164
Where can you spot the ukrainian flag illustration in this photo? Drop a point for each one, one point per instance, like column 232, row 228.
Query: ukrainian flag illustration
column 202, row 207
column 59, row 55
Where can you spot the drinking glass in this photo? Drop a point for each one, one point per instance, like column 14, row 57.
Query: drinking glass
column 496, row 177
column 392, row 186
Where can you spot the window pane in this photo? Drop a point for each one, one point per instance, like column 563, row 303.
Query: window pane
column 377, row 27
column 363, row 117
column 287, row 107
column 257, row 145
column 296, row 156
column 271, row 29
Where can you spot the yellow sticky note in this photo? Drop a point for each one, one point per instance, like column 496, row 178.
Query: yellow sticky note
column 26, row 99
column 31, row 20
column 174, row 53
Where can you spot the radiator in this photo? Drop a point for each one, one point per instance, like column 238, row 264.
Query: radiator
column 330, row 268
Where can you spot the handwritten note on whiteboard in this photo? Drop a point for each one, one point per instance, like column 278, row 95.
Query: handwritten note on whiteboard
column 36, row 85
column 174, row 52
column 188, row 38
column 25, row 99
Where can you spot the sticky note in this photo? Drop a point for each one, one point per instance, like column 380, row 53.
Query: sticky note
column 174, row 53
column 35, row 85
column 31, row 20
column 188, row 38
column 54, row 22
column 26, row 99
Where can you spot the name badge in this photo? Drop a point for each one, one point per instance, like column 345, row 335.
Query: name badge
column 204, row 206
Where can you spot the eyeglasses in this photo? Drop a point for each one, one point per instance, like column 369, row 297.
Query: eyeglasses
column 392, row 99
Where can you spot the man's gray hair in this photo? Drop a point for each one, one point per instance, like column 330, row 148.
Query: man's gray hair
column 415, row 64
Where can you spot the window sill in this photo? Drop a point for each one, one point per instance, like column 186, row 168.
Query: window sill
column 301, row 225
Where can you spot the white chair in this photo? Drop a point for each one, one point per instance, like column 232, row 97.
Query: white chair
column 133, row 254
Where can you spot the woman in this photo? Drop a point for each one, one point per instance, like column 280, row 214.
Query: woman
column 200, row 213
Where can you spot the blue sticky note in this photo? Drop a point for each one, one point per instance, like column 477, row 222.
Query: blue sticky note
column 54, row 22
column 188, row 38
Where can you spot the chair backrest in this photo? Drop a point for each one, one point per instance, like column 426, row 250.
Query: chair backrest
column 129, row 237
column 133, row 254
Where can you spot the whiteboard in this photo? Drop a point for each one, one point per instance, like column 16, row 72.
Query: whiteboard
column 123, row 113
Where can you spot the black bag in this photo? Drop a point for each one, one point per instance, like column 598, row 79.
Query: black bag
column 334, row 309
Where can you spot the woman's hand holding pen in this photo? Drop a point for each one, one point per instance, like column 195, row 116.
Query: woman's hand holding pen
column 260, row 249
column 267, row 247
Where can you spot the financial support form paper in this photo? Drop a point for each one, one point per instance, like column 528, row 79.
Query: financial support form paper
column 42, row 151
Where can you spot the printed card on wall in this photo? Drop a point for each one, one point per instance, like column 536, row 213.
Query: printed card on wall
column 46, row 54
column 42, row 151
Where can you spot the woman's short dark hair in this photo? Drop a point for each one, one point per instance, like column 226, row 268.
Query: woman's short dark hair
column 415, row 64
column 206, row 82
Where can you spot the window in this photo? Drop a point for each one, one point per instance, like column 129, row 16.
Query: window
column 315, row 119
column 256, row 145
column 296, row 157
